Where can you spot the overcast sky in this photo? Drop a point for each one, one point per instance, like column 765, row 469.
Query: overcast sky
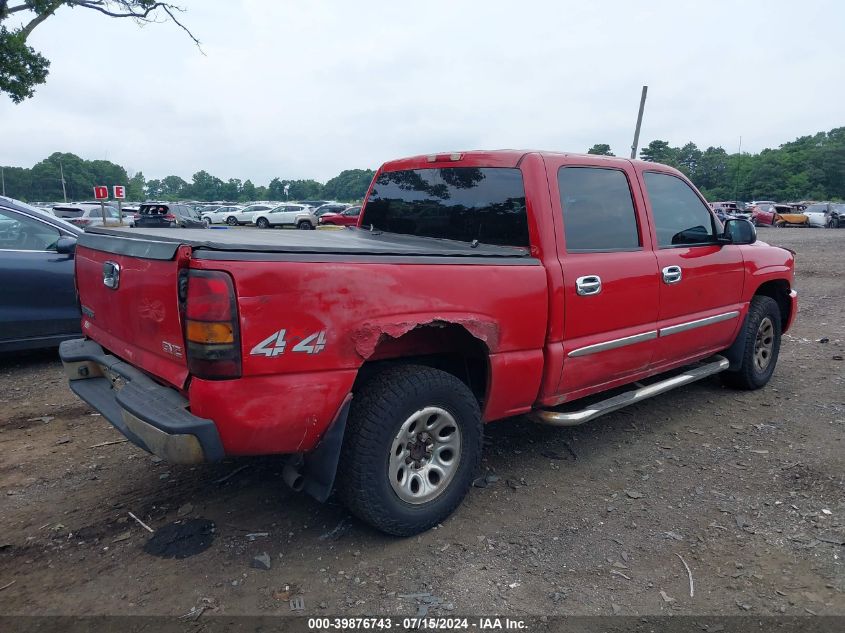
column 306, row 89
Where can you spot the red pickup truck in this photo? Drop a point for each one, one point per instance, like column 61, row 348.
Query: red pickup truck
column 477, row 286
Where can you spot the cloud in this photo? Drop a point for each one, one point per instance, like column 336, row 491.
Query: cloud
column 300, row 90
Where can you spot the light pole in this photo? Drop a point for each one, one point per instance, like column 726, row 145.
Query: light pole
column 639, row 124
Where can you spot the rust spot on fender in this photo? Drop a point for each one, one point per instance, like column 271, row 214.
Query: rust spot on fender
column 368, row 337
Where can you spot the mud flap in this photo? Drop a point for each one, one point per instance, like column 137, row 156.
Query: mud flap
column 320, row 465
column 735, row 352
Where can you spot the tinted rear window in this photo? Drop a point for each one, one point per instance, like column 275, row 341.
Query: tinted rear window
column 67, row 213
column 154, row 209
column 457, row 203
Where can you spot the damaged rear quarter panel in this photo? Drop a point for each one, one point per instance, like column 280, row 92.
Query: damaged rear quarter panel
column 360, row 305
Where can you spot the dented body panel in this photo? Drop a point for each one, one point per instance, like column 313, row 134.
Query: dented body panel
column 314, row 309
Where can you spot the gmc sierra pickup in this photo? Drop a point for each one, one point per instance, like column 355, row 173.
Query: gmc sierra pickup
column 476, row 286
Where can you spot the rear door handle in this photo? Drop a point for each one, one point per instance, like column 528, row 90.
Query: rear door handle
column 672, row 274
column 589, row 285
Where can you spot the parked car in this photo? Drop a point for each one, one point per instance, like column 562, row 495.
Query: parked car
column 219, row 215
column 331, row 207
column 38, row 303
column 826, row 215
column 492, row 284
column 247, row 214
column 91, row 214
column 313, row 203
column 347, row 217
column 727, row 210
column 169, row 215
column 779, row 215
column 298, row 215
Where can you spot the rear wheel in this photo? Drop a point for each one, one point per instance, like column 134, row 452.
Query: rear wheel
column 232, row 221
column 762, row 346
column 833, row 223
column 304, row 225
column 412, row 446
column 206, row 222
column 262, row 223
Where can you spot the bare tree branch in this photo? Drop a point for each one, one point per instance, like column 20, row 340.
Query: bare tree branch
column 51, row 8
column 110, row 8
column 168, row 10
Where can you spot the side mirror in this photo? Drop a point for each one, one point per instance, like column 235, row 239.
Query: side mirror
column 66, row 245
column 739, row 231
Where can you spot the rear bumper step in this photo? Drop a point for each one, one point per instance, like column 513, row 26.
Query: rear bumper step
column 713, row 365
column 150, row 415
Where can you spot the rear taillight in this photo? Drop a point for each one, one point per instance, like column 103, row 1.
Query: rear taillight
column 81, row 221
column 212, row 335
column 170, row 217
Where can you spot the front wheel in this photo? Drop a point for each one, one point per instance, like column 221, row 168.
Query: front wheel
column 262, row 223
column 832, row 223
column 206, row 222
column 232, row 221
column 412, row 446
column 762, row 346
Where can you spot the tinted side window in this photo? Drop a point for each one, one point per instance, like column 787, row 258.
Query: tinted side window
column 680, row 217
column 457, row 203
column 598, row 212
column 18, row 232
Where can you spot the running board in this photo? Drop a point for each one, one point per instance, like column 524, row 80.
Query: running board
column 715, row 364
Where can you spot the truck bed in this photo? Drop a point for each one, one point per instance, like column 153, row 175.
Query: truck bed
column 162, row 243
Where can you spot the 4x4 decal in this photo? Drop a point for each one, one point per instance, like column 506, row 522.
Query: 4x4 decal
column 275, row 344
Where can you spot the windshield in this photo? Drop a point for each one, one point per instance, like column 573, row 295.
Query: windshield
column 457, row 203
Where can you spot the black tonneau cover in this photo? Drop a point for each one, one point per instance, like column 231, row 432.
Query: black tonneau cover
column 162, row 243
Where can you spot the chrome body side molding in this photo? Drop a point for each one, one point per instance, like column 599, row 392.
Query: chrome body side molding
column 691, row 325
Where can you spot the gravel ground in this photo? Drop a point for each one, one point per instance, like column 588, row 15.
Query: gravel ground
column 745, row 488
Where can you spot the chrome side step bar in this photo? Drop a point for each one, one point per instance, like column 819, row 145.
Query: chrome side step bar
column 714, row 365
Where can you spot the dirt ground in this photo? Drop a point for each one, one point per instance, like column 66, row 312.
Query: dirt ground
column 747, row 488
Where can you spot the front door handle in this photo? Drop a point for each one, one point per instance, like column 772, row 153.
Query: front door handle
column 589, row 285
column 672, row 274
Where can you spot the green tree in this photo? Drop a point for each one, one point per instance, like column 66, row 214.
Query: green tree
column 22, row 68
column 601, row 149
column 174, row 188
column 348, row 185
column 153, row 189
column 205, row 186
column 688, row 158
column 248, row 191
column 659, row 152
column 135, row 190
column 231, row 190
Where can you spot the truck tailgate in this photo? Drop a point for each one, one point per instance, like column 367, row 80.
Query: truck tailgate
column 136, row 316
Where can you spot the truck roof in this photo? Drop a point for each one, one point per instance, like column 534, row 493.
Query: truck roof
column 497, row 158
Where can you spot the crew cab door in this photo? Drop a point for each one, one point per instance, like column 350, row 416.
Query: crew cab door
column 609, row 270
column 701, row 281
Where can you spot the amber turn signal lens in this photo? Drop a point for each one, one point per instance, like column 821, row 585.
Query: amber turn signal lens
column 205, row 332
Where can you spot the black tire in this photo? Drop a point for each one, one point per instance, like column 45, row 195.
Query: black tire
column 750, row 374
column 304, row 225
column 832, row 223
column 379, row 409
column 262, row 223
column 232, row 221
column 206, row 222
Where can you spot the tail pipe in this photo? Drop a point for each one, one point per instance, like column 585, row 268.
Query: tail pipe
column 293, row 477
